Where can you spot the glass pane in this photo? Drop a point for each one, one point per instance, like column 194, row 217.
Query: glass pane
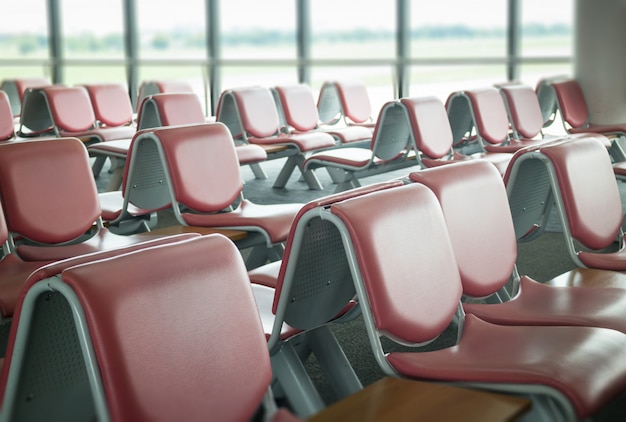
column 350, row 29
column 458, row 28
column 171, row 29
column 24, row 41
column 238, row 76
column 90, row 33
column 258, row 29
column 547, row 31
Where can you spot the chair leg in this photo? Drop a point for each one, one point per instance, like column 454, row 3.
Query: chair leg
column 290, row 165
column 334, row 362
column 258, row 171
column 294, row 381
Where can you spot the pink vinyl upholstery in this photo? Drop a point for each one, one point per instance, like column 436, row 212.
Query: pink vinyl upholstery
column 572, row 104
column 111, row 104
column 7, row 125
column 413, row 288
column 53, row 178
column 151, row 87
column 433, row 135
column 170, row 109
column 346, row 100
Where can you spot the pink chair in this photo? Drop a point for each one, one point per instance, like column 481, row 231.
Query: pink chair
column 486, row 252
column 345, row 100
column 111, row 104
column 101, row 368
column 433, row 135
column 51, row 201
column 490, row 119
column 578, row 177
column 65, row 112
column 410, row 291
column 572, row 106
column 313, row 288
column 161, row 86
column 203, row 184
column 392, row 148
column 252, row 117
column 300, row 112
column 15, row 89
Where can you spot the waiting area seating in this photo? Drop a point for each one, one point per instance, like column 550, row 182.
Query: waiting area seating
column 433, row 136
column 297, row 105
column 572, row 107
column 577, row 177
column 475, row 189
column 63, row 111
column 410, row 290
column 16, row 88
column 391, row 148
column 251, row 115
column 108, row 357
column 346, row 101
column 51, row 202
column 201, row 181
column 160, row 86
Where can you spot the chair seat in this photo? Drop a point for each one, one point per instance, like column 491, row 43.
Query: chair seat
column 486, row 353
column 605, row 260
column 540, row 304
column 111, row 204
column 265, row 275
column 304, row 141
column 104, row 134
column 275, row 219
column 103, row 240
column 352, row 158
column 349, row 134
column 116, row 148
column 264, row 297
column 249, row 154
column 515, row 145
column 500, row 160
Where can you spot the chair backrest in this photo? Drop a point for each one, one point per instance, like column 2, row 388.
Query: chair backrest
column 15, row 89
column 314, row 282
column 298, row 106
column 460, row 117
column 202, row 165
column 121, row 342
column 571, row 103
column 476, row 209
column 70, row 108
column 170, row 109
column 48, row 189
column 355, row 100
column 430, row 125
column 257, row 111
column 7, row 124
column 328, row 104
column 547, row 98
column 489, row 111
column 151, row 87
column 410, row 306
column 585, row 182
column 392, row 135
column 35, row 116
column 524, row 110
column 111, row 104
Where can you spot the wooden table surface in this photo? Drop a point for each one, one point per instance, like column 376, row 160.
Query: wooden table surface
column 395, row 399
